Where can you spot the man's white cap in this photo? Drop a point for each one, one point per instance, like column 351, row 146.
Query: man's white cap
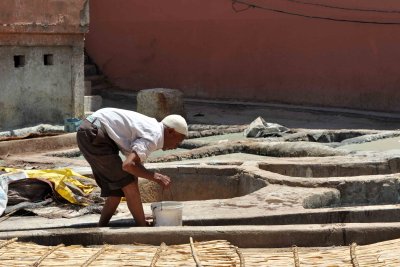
column 176, row 122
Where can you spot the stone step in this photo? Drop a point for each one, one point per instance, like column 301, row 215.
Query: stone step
column 88, row 87
column 90, row 69
column 95, row 79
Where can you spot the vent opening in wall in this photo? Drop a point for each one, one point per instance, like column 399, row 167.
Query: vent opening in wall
column 19, row 61
column 48, row 59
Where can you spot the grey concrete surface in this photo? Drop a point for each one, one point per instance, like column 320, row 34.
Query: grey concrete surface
column 297, row 190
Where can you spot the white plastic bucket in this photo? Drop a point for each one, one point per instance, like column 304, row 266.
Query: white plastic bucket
column 167, row 213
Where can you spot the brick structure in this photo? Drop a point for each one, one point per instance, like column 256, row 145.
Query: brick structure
column 41, row 61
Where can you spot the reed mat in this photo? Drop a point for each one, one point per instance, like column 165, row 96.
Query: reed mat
column 216, row 253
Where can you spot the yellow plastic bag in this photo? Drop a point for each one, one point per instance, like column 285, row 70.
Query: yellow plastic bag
column 60, row 178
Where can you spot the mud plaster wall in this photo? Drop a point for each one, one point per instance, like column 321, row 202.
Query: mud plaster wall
column 207, row 50
column 33, row 92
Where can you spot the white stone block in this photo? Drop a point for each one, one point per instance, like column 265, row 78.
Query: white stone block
column 160, row 102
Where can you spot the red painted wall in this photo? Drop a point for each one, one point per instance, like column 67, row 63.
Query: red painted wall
column 208, row 50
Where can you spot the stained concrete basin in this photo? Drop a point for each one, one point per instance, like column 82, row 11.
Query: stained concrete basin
column 202, row 183
column 294, row 194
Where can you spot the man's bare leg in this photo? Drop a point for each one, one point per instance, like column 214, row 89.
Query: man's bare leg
column 108, row 210
column 134, row 202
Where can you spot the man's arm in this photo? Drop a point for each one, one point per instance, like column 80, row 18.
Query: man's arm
column 133, row 165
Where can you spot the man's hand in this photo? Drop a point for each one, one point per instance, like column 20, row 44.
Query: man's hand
column 133, row 165
column 162, row 180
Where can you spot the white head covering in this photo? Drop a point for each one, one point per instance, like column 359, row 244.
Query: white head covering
column 176, row 122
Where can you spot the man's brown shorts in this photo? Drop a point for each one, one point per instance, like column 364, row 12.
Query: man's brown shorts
column 102, row 153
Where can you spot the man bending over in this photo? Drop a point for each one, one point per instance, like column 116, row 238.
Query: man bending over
column 109, row 130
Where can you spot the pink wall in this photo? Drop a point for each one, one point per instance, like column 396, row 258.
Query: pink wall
column 207, row 50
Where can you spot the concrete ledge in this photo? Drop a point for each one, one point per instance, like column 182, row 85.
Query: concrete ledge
column 385, row 116
column 241, row 236
column 395, row 116
column 37, row 144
